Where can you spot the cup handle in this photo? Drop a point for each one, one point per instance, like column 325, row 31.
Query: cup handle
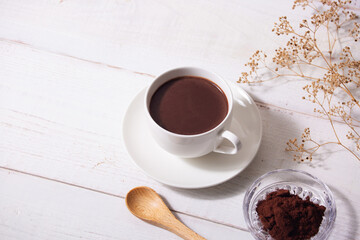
column 233, row 139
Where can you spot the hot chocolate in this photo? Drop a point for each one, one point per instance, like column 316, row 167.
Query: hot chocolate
column 188, row 105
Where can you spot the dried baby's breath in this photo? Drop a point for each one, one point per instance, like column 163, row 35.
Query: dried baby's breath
column 340, row 71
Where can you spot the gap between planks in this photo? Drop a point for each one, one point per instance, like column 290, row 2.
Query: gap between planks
column 259, row 103
column 115, row 195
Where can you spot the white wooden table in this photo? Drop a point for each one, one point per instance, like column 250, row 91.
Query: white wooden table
column 69, row 69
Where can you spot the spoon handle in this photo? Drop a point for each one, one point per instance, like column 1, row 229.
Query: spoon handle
column 172, row 224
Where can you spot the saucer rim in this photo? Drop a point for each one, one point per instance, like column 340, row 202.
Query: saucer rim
column 231, row 85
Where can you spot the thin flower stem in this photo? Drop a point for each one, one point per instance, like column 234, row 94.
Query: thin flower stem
column 314, row 149
column 350, row 94
column 339, row 70
column 330, row 119
column 313, row 65
column 332, row 47
column 271, row 70
column 298, row 65
column 352, row 57
column 296, row 73
column 322, row 55
column 321, row 145
column 328, row 36
column 354, row 154
column 350, row 126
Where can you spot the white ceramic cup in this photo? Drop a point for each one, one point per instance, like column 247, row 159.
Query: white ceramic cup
column 190, row 146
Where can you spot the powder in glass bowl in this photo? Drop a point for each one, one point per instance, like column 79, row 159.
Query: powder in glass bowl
column 288, row 217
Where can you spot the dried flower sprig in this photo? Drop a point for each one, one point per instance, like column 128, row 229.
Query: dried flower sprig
column 339, row 70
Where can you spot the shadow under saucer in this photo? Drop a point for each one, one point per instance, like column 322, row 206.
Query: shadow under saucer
column 206, row 171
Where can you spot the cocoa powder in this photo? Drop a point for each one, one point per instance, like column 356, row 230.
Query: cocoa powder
column 288, row 217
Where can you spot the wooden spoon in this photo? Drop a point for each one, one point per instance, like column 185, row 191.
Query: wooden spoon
column 146, row 204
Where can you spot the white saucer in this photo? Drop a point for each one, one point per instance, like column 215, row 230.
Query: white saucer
column 205, row 171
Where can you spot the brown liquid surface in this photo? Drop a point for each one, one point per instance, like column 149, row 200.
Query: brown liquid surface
column 188, row 105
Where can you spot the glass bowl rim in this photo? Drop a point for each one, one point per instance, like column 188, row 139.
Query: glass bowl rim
column 250, row 191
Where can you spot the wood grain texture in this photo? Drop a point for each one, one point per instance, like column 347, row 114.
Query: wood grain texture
column 153, row 36
column 45, row 132
column 68, row 71
column 33, row 208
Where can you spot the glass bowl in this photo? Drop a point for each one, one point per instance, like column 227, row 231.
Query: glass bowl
column 297, row 182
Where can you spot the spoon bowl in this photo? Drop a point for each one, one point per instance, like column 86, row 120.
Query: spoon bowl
column 146, row 204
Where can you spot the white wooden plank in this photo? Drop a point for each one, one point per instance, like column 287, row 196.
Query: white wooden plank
column 60, row 118
column 152, row 36
column 35, row 208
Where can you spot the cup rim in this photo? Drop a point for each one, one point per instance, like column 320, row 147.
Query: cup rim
column 229, row 99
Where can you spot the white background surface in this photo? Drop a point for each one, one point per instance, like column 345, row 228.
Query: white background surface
column 69, row 69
